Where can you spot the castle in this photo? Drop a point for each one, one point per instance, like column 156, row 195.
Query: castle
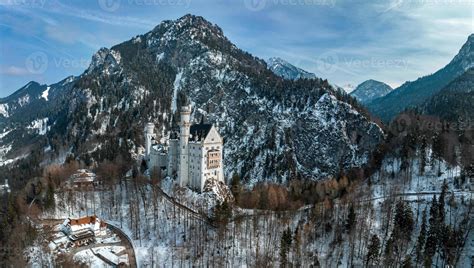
column 193, row 156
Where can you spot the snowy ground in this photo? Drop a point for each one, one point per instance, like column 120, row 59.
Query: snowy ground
column 165, row 235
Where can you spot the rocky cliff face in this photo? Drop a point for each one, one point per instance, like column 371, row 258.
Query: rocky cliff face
column 274, row 129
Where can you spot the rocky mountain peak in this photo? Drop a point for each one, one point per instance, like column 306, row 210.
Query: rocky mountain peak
column 370, row 90
column 465, row 57
column 104, row 57
column 188, row 27
column 287, row 70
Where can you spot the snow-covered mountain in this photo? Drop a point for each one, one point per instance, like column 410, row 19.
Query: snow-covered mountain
column 274, row 129
column 28, row 115
column 20, row 98
column 370, row 90
column 286, row 70
column 411, row 94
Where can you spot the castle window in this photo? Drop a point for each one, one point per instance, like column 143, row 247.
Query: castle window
column 213, row 158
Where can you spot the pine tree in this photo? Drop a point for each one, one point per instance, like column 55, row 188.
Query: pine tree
column 236, row 186
column 49, row 203
column 222, row 213
column 421, row 238
column 285, row 244
column 407, row 262
column 351, row 218
column 441, row 203
column 388, row 252
column 423, row 155
column 373, row 250
column 403, row 222
column 432, row 239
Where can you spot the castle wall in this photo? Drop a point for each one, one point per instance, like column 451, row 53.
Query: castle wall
column 214, row 143
column 173, row 157
column 158, row 160
column 195, row 165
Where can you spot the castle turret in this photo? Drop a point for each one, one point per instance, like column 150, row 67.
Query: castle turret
column 183, row 145
column 149, row 135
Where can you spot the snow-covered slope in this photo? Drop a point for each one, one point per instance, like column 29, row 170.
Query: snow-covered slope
column 28, row 115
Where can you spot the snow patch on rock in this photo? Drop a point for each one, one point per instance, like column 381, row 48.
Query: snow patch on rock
column 45, row 93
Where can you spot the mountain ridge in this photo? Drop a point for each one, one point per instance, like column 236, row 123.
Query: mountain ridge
column 413, row 93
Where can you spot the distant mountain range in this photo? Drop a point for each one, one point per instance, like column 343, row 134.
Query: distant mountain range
column 274, row 129
column 286, row 70
column 413, row 94
column 369, row 90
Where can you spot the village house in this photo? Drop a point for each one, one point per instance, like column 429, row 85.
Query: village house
column 82, row 231
column 84, row 179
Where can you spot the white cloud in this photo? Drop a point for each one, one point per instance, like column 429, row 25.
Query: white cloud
column 14, row 70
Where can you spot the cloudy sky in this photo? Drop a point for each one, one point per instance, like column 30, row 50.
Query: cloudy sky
column 345, row 41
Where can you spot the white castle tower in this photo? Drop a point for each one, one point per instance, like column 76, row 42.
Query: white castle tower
column 149, row 135
column 183, row 172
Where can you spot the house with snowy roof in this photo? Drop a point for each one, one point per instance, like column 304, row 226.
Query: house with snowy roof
column 83, row 230
column 84, row 178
